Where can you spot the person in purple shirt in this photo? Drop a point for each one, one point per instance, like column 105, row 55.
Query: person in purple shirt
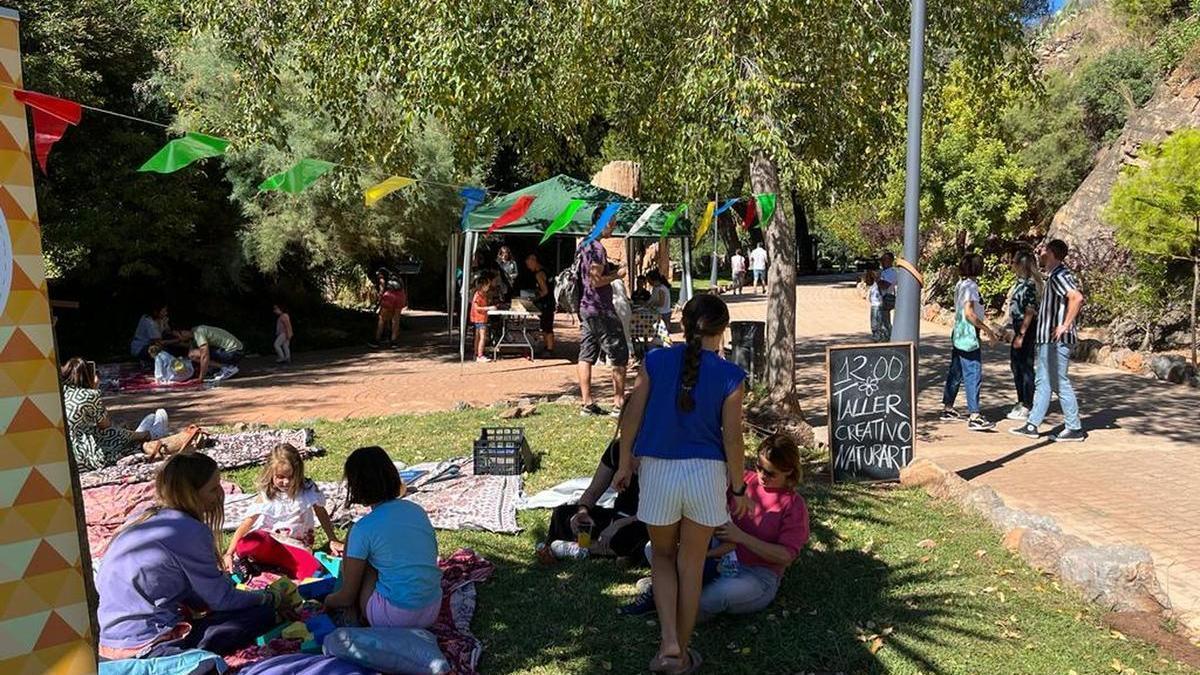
column 162, row 571
column 600, row 329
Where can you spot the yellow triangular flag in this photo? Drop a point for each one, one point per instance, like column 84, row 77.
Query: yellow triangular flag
column 387, row 187
column 705, row 221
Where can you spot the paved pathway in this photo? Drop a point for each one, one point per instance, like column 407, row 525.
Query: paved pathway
column 1133, row 481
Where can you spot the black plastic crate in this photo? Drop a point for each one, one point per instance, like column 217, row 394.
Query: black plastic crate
column 502, row 451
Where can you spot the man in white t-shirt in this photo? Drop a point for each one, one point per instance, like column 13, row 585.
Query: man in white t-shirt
column 758, row 267
column 887, row 287
column 738, row 265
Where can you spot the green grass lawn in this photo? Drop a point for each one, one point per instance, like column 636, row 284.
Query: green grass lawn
column 864, row 597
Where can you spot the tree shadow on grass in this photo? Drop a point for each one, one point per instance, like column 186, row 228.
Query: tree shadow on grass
column 834, row 603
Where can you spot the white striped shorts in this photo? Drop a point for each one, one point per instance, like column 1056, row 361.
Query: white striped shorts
column 672, row 489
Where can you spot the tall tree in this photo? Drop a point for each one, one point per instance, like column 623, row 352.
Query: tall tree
column 805, row 92
column 1156, row 208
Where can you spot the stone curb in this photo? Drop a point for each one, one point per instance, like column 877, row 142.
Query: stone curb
column 1118, row 578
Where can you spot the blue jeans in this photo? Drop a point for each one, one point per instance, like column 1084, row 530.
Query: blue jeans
column 1052, row 362
column 751, row 590
column 881, row 324
column 965, row 368
column 219, row 355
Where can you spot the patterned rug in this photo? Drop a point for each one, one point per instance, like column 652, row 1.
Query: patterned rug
column 232, row 451
column 108, row 507
column 450, row 492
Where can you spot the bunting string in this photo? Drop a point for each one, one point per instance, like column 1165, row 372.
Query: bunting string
column 52, row 116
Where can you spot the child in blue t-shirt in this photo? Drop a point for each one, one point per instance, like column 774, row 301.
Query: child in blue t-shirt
column 390, row 573
column 684, row 423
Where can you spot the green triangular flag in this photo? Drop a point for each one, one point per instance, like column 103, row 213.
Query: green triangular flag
column 562, row 220
column 671, row 218
column 183, row 151
column 298, row 178
column 766, row 208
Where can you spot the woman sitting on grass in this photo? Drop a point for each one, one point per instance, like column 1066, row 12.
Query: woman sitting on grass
column 96, row 441
column 390, row 575
column 764, row 541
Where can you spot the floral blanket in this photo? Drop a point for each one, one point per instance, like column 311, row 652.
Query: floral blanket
column 460, row 572
column 232, row 451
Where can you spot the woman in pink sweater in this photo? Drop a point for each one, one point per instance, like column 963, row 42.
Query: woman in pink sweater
column 767, row 538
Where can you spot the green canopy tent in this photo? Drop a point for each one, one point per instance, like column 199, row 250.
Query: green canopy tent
column 551, row 197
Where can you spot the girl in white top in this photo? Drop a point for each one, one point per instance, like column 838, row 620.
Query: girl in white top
column 660, row 296
column 286, row 505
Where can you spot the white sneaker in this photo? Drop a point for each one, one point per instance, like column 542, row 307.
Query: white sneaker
column 482, row 359
column 1019, row 412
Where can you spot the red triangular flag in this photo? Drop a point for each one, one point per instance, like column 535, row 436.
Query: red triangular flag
column 51, row 115
column 513, row 213
column 748, row 210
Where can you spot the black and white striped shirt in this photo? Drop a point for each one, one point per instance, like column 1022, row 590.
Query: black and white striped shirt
column 1053, row 311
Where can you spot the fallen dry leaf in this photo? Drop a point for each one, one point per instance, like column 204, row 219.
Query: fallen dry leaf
column 1001, row 596
column 875, row 645
column 926, row 543
column 1117, row 635
column 607, row 665
column 980, row 553
column 867, row 546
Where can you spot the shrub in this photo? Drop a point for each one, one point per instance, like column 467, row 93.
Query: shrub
column 1111, row 86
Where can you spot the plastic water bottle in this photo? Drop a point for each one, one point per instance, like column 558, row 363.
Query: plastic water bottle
column 568, row 549
column 729, row 565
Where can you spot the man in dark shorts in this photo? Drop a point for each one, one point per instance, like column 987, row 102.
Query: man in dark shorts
column 600, row 329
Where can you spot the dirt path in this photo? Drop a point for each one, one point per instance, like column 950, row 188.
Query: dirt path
column 423, row 375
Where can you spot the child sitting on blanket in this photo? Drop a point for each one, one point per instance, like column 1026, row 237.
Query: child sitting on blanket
column 279, row 531
column 390, row 575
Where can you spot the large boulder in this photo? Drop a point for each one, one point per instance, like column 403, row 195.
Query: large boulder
column 1120, row 578
column 1043, row 549
column 937, row 481
column 1171, row 368
column 1175, row 105
column 1005, row 518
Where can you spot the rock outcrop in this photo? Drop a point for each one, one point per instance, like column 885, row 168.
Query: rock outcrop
column 1176, row 105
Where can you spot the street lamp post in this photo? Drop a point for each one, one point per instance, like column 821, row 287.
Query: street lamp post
column 907, row 322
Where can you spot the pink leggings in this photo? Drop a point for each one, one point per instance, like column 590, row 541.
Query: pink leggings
column 260, row 547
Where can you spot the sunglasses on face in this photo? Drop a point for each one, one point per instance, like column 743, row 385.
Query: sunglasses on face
column 767, row 473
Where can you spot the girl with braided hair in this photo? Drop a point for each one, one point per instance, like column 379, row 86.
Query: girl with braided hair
column 684, row 425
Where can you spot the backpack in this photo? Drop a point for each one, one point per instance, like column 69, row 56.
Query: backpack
column 568, row 286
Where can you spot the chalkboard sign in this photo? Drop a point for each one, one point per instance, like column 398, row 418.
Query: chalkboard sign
column 872, row 408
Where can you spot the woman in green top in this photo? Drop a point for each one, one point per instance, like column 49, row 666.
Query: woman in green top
column 1022, row 312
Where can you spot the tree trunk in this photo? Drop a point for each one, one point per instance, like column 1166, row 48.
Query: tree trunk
column 729, row 236
column 781, row 293
column 805, row 261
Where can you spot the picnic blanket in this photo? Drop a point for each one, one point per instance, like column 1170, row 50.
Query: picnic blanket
column 449, row 491
column 232, row 451
column 127, row 378
column 460, row 572
column 566, row 492
column 107, row 508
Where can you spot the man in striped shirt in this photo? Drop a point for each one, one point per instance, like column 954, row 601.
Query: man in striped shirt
column 1056, row 333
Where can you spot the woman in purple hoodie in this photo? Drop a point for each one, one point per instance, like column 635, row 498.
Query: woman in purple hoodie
column 162, row 572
